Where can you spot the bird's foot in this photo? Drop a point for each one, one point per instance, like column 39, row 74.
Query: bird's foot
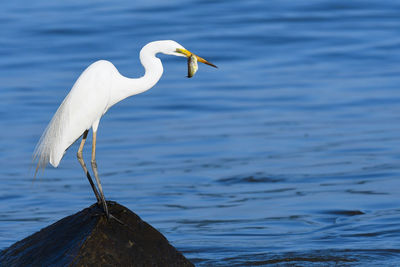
column 104, row 208
column 107, row 213
column 110, row 216
column 118, row 220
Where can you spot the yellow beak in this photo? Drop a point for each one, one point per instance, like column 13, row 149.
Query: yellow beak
column 189, row 54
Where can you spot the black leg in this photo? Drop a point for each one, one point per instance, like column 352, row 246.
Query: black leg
column 96, row 175
column 82, row 162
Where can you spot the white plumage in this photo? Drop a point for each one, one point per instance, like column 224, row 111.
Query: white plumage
column 81, row 109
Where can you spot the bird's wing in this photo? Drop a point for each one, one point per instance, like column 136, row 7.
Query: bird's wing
column 85, row 104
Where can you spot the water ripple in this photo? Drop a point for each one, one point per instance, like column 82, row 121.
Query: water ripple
column 286, row 155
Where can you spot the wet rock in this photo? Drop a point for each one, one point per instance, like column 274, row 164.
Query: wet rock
column 87, row 238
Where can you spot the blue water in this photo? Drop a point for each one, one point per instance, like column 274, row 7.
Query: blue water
column 287, row 154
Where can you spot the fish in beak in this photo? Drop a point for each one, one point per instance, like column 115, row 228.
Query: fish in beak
column 192, row 66
column 192, row 61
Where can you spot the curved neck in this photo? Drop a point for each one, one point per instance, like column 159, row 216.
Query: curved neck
column 125, row 87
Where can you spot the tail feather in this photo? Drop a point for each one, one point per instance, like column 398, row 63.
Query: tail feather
column 42, row 152
column 49, row 148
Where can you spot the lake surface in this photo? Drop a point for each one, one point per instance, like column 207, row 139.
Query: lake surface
column 287, row 154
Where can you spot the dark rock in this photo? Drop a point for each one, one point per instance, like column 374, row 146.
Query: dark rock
column 87, row 238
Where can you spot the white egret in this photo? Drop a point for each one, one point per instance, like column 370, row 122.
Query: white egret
column 97, row 89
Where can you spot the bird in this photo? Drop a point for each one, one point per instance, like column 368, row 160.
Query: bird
column 98, row 88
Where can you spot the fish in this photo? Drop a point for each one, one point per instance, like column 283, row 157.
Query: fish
column 192, row 66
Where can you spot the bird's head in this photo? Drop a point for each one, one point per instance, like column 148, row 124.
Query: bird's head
column 175, row 49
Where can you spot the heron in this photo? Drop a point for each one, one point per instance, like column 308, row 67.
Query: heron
column 98, row 88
